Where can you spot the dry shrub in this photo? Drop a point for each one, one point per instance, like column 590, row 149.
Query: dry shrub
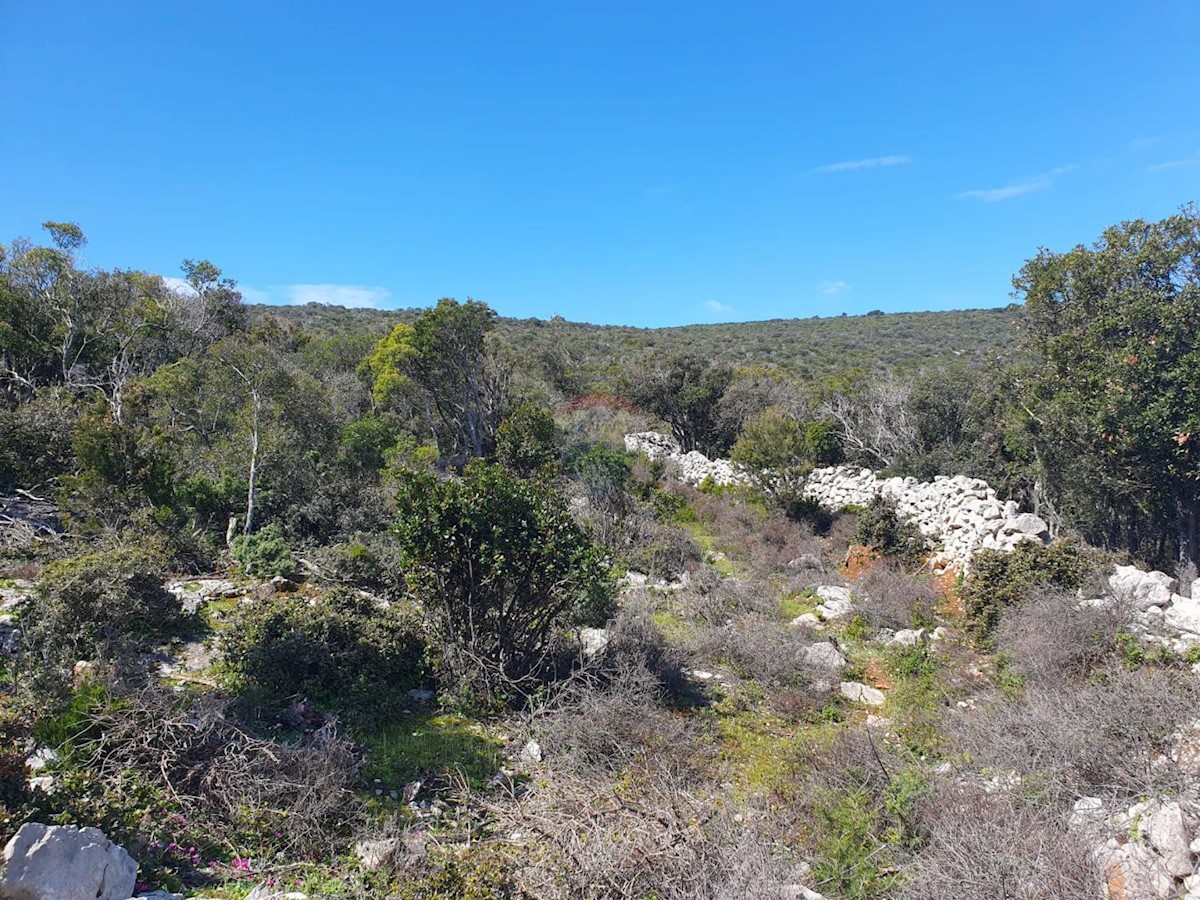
column 716, row 601
column 888, row 598
column 192, row 748
column 982, row 845
column 759, row 647
column 635, row 640
column 779, row 540
column 651, row 832
column 1113, row 736
column 1051, row 637
column 606, row 718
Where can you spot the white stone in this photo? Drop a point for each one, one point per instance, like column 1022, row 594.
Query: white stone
column 64, row 862
column 823, row 656
column 594, row 640
column 531, row 753
column 862, row 693
column 1143, row 589
column 909, row 637
column 1168, row 835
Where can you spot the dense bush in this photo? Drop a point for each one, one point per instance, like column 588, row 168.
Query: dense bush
column 1000, row 580
column 890, row 598
column 264, row 553
column 500, row 568
column 342, row 650
column 880, row 528
column 102, row 603
column 528, row 441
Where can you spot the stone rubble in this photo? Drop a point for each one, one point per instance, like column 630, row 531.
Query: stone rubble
column 958, row 516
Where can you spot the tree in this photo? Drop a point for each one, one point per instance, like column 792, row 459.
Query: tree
column 778, row 451
column 445, row 362
column 501, row 568
column 873, row 418
column 685, row 392
column 1114, row 398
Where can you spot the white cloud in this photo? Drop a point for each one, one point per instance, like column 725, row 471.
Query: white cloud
column 179, row 285
column 875, row 162
column 1174, row 164
column 717, row 307
column 830, row 288
column 1017, row 188
column 348, row 295
column 1144, row 143
column 253, row 295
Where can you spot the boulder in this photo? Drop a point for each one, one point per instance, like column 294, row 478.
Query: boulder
column 594, row 641
column 1168, row 835
column 65, row 862
column 823, row 656
column 862, row 693
column 1143, row 589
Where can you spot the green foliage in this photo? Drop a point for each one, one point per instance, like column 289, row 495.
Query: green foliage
column 341, row 650
column 102, row 602
column 1115, row 395
column 480, row 872
column 527, row 442
column 365, row 442
column 880, row 528
column 1000, row 580
column 264, row 554
column 685, row 391
column 501, row 567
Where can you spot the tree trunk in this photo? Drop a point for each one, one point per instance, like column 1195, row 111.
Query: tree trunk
column 251, row 481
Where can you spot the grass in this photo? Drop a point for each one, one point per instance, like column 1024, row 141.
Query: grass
column 797, row 603
column 419, row 744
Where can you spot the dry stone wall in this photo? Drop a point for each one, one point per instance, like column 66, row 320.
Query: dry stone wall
column 958, row 516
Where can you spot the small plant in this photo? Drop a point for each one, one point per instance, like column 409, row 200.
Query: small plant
column 264, row 554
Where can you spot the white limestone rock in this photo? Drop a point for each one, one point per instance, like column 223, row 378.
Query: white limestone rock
column 65, row 862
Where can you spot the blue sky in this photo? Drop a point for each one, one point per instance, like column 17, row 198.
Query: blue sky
column 646, row 163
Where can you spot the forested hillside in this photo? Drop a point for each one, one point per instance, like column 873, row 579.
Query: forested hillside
column 811, row 349
column 357, row 604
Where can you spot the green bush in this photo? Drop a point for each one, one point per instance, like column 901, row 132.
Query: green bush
column 342, row 651
column 101, row 603
column 264, row 554
column 1000, row 580
column 879, row 527
column 501, row 568
column 527, row 442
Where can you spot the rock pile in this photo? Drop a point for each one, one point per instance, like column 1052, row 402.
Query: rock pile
column 958, row 516
column 694, row 466
column 1145, row 851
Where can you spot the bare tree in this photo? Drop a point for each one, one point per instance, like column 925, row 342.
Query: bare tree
column 874, row 422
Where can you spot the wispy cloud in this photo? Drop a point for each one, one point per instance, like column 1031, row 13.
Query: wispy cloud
column 179, row 285
column 348, row 295
column 1144, row 143
column 1175, row 164
column 854, row 165
column 718, row 307
column 829, row 288
column 249, row 294
column 1017, row 188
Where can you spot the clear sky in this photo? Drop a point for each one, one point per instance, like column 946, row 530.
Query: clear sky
column 644, row 163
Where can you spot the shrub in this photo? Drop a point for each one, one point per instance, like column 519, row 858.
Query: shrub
column 343, row 651
column 980, row 844
column 500, row 568
column 889, row 598
column 528, row 441
column 880, row 528
column 1052, row 637
column 264, row 554
column 101, row 603
column 369, row 561
column 1000, row 580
